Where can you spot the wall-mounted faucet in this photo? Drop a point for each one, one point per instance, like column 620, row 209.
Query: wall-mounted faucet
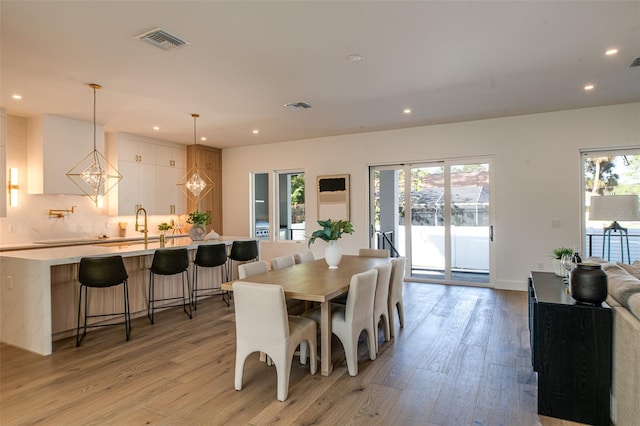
column 60, row 213
column 145, row 231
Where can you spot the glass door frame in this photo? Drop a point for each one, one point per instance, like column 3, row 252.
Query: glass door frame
column 446, row 164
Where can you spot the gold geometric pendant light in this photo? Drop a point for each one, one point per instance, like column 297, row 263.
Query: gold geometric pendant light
column 94, row 175
column 195, row 183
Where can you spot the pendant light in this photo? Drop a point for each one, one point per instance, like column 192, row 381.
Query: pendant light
column 93, row 174
column 195, row 183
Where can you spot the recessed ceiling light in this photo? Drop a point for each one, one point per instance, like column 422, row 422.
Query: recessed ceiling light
column 16, row 97
column 354, row 57
column 611, row 52
column 203, row 138
column 255, row 131
column 407, row 111
column 589, row 87
column 156, row 128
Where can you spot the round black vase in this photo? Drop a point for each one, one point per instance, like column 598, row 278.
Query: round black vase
column 588, row 283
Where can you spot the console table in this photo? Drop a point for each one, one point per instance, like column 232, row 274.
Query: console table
column 571, row 352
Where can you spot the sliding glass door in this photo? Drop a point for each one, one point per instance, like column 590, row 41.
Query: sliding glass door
column 439, row 218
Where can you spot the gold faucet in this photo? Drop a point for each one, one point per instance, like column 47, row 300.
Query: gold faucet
column 145, row 230
column 60, row 213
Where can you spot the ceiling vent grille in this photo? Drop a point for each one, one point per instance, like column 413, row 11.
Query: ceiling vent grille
column 635, row 63
column 162, row 39
column 297, row 106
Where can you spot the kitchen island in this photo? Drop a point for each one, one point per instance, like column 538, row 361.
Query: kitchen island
column 39, row 287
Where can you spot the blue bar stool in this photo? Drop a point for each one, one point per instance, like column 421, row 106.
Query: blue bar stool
column 169, row 262
column 102, row 272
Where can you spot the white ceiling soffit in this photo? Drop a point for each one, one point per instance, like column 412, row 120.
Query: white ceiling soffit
column 446, row 61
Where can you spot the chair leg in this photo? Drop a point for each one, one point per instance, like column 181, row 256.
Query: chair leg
column 385, row 327
column 186, row 304
column 78, row 338
column 194, row 290
column 240, row 359
column 151, row 297
column 372, row 342
column 127, row 310
column 283, row 373
column 401, row 313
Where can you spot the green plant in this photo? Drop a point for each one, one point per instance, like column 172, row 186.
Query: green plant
column 199, row 218
column 558, row 252
column 164, row 226
column 331, row 231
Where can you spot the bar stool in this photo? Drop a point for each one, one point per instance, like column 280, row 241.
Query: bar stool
column 242, row 251
column 209, row 256
column 169, row 262
column 102, row 272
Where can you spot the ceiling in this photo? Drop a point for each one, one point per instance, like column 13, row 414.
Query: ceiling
column 447, row 61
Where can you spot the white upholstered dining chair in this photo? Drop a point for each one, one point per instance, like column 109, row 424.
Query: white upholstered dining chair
column 395, row 292
column 246, row 270
column 381, row 302
column 262, row 325
column 348, row 321
column 282, row 262
column 304, row 257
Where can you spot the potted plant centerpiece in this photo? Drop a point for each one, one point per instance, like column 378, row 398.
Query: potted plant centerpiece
column 558, row 269
column 199, row 220
column 163, row 228
column 331, row 232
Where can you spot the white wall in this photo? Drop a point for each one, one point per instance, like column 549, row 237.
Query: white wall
column 536, row 175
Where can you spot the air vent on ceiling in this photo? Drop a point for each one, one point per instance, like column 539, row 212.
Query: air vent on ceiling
column 162, row 39
column 297, row 106
column 635, row 63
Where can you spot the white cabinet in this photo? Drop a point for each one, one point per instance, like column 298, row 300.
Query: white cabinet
column 56, row 145
column 150, row 170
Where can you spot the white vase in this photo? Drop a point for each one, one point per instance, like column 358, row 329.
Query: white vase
column 333, row 254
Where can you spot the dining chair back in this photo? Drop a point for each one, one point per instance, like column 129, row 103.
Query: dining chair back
column 250, row 269
column 381, row 303
column 209, row 256
column 282, row 262
column 304, row 257
column 348, row 321
column 102, row 272
column 262, row 325
column 369, row 252
column 169, row 262
column 395, row 292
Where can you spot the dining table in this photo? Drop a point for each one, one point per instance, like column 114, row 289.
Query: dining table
column 315, row 282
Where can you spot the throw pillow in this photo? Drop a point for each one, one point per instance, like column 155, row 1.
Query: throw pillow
column 631, row 269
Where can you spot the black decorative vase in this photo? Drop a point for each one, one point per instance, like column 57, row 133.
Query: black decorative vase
column 589, row 283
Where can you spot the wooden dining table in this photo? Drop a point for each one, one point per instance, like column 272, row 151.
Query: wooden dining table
column 315, row 282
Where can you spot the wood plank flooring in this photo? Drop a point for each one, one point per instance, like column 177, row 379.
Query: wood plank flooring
column 462, row 359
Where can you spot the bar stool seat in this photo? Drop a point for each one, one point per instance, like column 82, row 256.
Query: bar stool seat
column 209, row 256
column 169, row 262
column 102, row 272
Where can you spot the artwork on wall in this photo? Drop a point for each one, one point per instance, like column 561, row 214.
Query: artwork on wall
column 333, row 197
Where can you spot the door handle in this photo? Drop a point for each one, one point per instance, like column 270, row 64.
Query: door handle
column 491, row 233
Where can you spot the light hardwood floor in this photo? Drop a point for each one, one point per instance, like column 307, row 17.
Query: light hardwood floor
column 462, row 359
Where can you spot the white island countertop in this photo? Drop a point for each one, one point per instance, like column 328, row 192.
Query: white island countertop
column 25, row 283
column 72, row 254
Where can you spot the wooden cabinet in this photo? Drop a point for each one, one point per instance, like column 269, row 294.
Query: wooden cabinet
column 150, row 171
column 571, row 352
column 208, row 160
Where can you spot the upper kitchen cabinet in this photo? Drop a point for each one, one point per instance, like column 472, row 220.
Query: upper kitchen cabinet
column 150, row 170
column 209, row 160
column 54, row 146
